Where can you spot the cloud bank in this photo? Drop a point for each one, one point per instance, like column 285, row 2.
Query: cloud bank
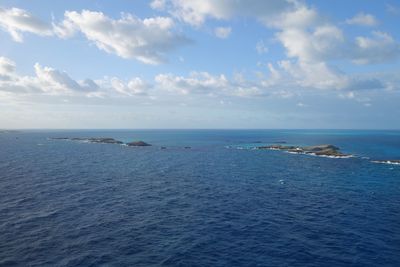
column 311, row 43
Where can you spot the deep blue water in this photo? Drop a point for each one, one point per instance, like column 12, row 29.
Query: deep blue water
column 65, row 203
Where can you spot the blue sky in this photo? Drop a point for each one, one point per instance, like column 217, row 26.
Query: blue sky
column 200, row 64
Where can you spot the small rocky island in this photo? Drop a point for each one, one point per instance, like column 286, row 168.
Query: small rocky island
column 319, row 150
column 101, row 140
column 138, row 143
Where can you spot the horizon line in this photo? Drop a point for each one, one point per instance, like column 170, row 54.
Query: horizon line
column 183, row 129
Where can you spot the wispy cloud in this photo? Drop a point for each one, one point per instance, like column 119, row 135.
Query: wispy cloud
column 363, row 19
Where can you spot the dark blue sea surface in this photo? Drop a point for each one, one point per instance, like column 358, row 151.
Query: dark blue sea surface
column 66, row 203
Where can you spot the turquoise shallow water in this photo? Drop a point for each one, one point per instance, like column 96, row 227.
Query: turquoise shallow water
column 66, row 203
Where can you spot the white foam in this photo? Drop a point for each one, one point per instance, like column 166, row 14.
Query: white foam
column 386, row 162
column 333, row 157
column 322, row 156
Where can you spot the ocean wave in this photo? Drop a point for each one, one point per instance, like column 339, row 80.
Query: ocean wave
column 391, row 162
column 315, row 155
column 331, row 157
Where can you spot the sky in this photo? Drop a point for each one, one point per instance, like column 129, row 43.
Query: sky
column 177, row 64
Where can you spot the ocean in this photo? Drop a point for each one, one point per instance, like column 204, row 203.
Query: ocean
column 208, row 199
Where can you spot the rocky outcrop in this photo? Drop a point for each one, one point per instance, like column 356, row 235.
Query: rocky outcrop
column 138, row 143
column 106, row 140
column 319, row 150
column 101, row 140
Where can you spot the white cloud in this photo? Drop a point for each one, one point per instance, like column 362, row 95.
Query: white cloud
column 363, row 19
column 365, row 101
column 347, row 95
column 11, row 82
column 146, row 40
column 6, row 65
column 311, row 43
column 289, row 80
column 275, row 77
column 65, row 29
column 46, row 80
column 301, row 17
column 7, row 68
column 301, row 105
column 280, row 83
column 305, row 34
column 16, row 21
column 309, row 38
column 379, row 48
column 222, row 32
column 197, row 82
column 135, row 86
column 208, row 84
column 315, row 75
column 324, row 42
column 320, row 75
column 54, row 82
column 50, row 81
column 158, row 4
